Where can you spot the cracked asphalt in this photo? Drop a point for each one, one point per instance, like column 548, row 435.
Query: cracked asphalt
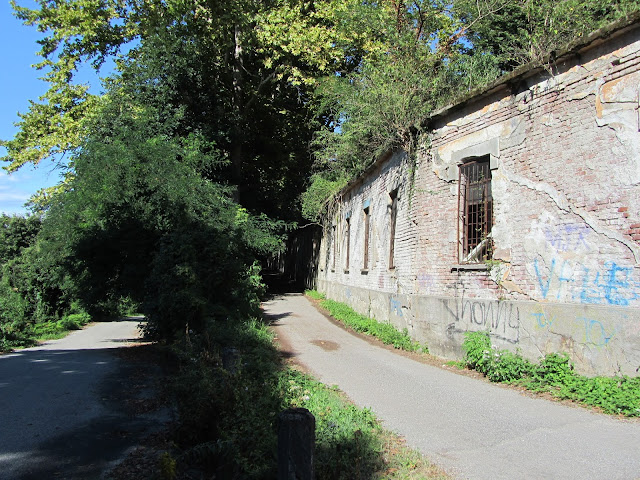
column 63, row 405
column 471, row 428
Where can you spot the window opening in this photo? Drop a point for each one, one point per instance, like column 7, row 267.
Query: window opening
column 392, row 232
column 347, row 240
column 334, row 241
column 367, row 219
column 475, row 210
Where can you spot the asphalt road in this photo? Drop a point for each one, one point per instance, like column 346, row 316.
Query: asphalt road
column 63, row 405
column 471, row 428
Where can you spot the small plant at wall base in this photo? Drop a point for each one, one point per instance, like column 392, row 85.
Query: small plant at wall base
column 554, row 375
column 385, row 332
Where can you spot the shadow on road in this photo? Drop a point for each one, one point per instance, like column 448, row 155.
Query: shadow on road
column 72, row 413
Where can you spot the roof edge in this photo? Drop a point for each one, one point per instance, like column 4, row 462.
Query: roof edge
column 597, row 37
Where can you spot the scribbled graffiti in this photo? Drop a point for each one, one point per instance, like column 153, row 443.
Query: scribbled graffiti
column 396, row 306
column 502, row 319
column 595, row 332
column 565, row 238
column 543, row 319
column 611, row 285
column 426, row 280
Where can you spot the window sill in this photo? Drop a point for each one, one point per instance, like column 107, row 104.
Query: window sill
column 470, row 267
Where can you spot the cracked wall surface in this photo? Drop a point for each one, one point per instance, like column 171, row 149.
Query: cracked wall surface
column 564, row 154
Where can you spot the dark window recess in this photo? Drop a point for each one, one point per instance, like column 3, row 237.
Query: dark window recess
column 367, row 219
column 347, row 236
column 475, row 211
column 392, row 233
column 334, row 241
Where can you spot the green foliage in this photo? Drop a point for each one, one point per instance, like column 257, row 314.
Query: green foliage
column 361, row 323
column 228, row 392
column 555, row 375
column 348, row 439
column 231, row 386
column 316, row 195
column 314, row 294
column 517, row 32
column 477, row 350
column 16, row 234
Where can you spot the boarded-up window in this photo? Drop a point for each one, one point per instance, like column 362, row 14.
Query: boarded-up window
column 475, row 210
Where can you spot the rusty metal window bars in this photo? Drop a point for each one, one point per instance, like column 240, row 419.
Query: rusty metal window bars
column 475, row 211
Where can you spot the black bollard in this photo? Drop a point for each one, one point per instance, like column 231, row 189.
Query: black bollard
column 296, row 444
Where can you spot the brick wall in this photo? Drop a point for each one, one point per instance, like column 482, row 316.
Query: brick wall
column 565, row 165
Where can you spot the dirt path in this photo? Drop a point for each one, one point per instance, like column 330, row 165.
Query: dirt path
column 72, row 407
column 471, row 428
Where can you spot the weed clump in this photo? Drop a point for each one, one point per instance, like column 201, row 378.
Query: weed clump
column 554, row 374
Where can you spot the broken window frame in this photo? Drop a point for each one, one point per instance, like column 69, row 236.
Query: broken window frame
column 475, row 210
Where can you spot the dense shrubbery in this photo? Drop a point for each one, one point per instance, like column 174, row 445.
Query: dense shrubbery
column 555, row 375
column 33, row 301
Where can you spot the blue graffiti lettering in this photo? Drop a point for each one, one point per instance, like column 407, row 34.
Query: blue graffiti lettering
column 563, row 278
column 614, row 287
column 544, row 288
column 543, row 320
column 595, row 333
column 396, row 306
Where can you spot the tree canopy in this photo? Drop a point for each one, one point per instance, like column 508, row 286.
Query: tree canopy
column 224, row 122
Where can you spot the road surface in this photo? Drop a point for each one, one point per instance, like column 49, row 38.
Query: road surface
column 471, row 428
column 64, row 405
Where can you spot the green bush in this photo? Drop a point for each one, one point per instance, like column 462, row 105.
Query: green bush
column 74, row 321
column 554, row 374
column 506, row 366
column 477, row 348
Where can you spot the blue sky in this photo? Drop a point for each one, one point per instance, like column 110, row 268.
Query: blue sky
column 19, row 83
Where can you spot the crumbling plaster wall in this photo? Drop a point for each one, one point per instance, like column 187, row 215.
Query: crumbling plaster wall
column 565, row 160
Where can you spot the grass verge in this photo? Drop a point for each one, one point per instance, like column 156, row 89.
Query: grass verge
column 555, row 375
column 385, row 332
column 230, row 386
column 26, row 335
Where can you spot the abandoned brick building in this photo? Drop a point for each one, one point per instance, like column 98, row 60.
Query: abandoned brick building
column 522, row 217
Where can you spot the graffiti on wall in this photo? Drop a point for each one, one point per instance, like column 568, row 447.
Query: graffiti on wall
column 594, row 332
column 502, row 319
column 569, row 267
column 395, row 306
column 567, row 237
column 426, row 280
column 611, row 284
